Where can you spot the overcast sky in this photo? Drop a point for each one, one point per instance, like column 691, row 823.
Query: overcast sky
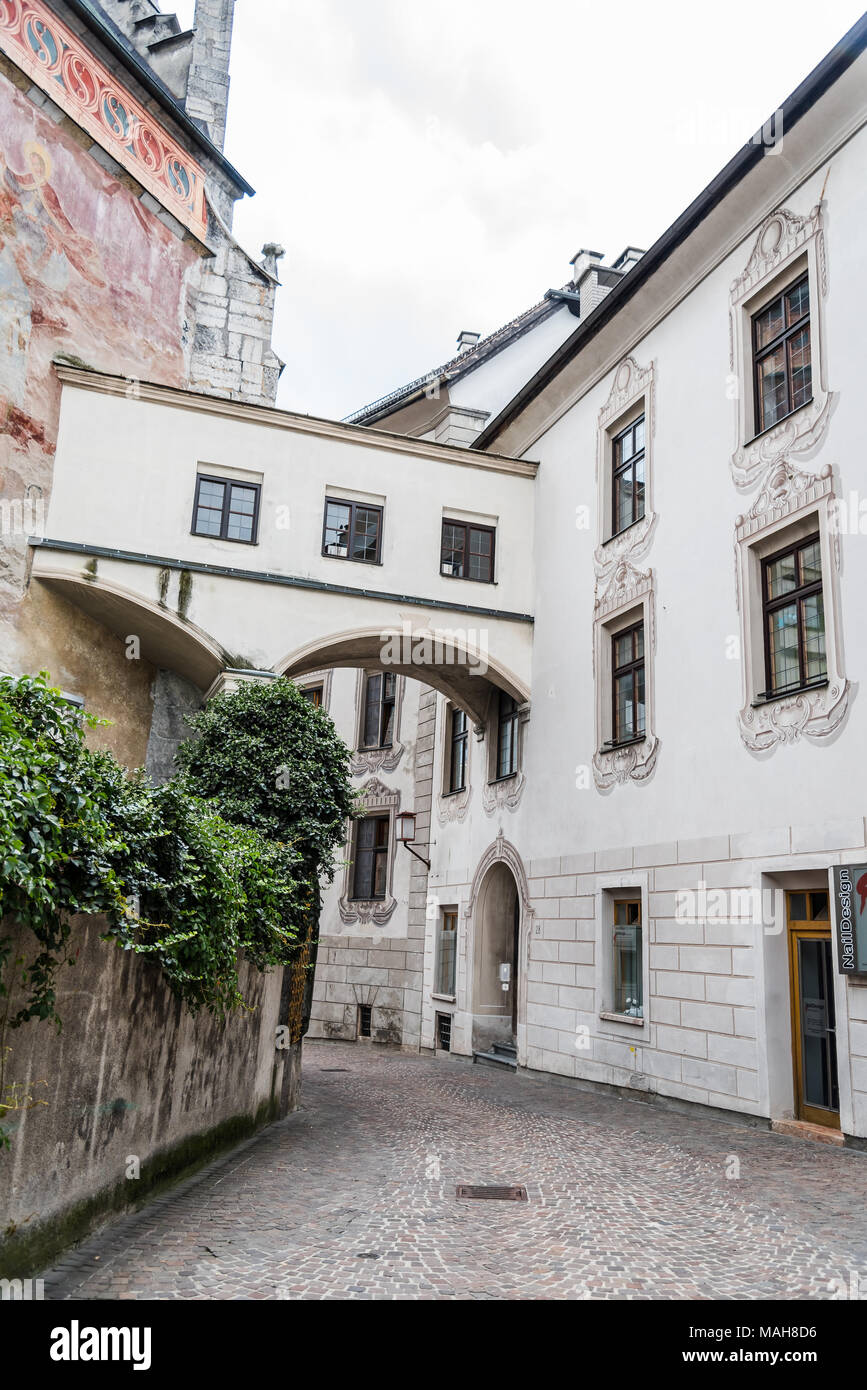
column 432, row 168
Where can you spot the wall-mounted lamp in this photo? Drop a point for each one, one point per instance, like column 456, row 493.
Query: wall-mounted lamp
column 405, row 827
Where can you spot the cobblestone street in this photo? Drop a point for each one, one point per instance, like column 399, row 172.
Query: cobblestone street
column 353, row 1196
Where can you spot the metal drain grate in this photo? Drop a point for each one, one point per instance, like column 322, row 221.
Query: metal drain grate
column 492, row 1194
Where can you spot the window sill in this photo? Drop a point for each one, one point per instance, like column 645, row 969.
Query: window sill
column 615, row 535
column 509, row 777
column 381, row 899
column 229, row 540
column 444, row 998
column 468, row 579
column 612, row 747
column 457, row 792
column 761, row 433
column 622, row 1018
column 374, row 748
column 769, row 697
column 350, row 559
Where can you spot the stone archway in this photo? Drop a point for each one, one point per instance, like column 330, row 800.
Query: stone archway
column 499, row 921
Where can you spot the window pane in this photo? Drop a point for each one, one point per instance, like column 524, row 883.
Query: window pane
column 782, row 576
column 639, row 702
column 813, row 618
column 363, row 879
column 313, row 693
column 480, row 568
column 623, row 490
column 453, row 549
column 773, row 402
column 337, row 519
column 366, row 535
column 209, row 509
column 372, row 696
column 623, row 708
column 623, row 649
column 639, row 434
column 639, row 487
column 242, row 509
column 379, row 876
column 769, row 323
column 627, row 445
column 798, row 302
column 447, row 957
column 800, row 370
column 628, row 973
column 783, row 644
column 382, row 831
column 797, row 907
column 811, row 563
column 819, row 907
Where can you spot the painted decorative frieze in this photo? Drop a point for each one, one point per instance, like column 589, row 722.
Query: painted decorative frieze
column 55, row 59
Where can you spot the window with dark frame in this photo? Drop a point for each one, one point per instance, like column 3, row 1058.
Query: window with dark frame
column 627, row 476
column 377, row 725
column 468, row 551
column 458, row 750
column 226, row 510
column 507, row 736
column 628, row 961
column 627, row 685
column 371, row 858
column 795, row 656
column 447, row 953
column 782, row 355
column 313, row 693
column 352, row 531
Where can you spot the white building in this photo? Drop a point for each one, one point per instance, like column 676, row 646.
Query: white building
column 644, row 898
column 608, row 657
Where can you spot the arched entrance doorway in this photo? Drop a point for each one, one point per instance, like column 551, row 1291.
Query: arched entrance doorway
column 496, row 960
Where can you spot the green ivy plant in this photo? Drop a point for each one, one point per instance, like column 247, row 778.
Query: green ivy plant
column 221, row 861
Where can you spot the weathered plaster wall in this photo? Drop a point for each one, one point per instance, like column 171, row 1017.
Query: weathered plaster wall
column 131, row 1075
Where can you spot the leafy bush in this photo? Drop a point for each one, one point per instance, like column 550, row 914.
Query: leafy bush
column 271, row 760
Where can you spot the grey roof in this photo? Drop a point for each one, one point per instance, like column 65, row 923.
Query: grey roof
column 458, row 366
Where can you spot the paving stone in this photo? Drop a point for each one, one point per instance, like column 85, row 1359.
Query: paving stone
column 353, row 1197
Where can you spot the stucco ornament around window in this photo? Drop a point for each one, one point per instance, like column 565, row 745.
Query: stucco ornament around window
column 368, row 760
column 632, row 392
column 785, row 241
column 627, row 589
column 505, row 795
column 377, row 799
column 788, row 496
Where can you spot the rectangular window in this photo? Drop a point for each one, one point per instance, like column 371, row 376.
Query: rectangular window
column 352, row 531
column 371, row 858
column 313, row 693
column 447, row 952
column 627, row 685
column 377, row 729
column 781, row 355
column 794, row 618
column 225, row 510
column 467, row 551
column 507, row 736
column 458, row 750
column 627, row 475
column 628, row 960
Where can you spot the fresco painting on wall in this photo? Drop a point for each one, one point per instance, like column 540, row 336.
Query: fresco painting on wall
column 120, row 309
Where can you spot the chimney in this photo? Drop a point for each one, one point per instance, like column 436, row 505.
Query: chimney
column 628, row 258
column 581, row 261
column 272, row 252
column 208, row 83
column 467, row 340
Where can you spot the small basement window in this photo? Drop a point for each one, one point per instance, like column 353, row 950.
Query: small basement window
column 444, row 1032
column 364, row 1020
